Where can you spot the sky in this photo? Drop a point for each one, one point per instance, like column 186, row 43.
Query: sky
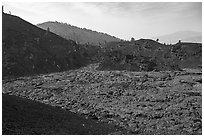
column 121, row 19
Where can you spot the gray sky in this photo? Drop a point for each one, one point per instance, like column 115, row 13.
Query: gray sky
column 120, row 19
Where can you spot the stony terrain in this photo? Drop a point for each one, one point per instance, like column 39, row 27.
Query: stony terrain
column 165, row 102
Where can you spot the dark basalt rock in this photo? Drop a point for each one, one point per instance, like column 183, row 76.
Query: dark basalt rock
column 155, row 104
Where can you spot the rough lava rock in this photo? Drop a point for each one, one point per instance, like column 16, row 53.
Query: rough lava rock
column 163, row 102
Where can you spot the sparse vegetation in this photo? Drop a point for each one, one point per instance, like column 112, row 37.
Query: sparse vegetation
column 119, row 87
column 29, row 50
column 149, row 55
column 81, row 35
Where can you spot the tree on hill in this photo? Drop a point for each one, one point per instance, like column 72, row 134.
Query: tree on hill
column 48, row 29
column 132, row 39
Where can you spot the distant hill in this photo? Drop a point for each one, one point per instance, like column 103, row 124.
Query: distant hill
column 27, row 49
column 81, row 35
column 184, row 36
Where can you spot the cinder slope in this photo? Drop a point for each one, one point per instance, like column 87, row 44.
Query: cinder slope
column 28, row 49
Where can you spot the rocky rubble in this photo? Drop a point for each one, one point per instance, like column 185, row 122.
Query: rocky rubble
column 165, row 102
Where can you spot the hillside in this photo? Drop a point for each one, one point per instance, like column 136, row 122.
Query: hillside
column 81, row 35
column 27, row 49
column 190, row 54
column 149, row 55
column 26, row 117
column 184, row 36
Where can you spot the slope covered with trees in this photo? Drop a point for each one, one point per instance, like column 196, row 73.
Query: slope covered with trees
column 81, row 35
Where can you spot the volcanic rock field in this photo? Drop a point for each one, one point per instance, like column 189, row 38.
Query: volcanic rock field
column 165, row 102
